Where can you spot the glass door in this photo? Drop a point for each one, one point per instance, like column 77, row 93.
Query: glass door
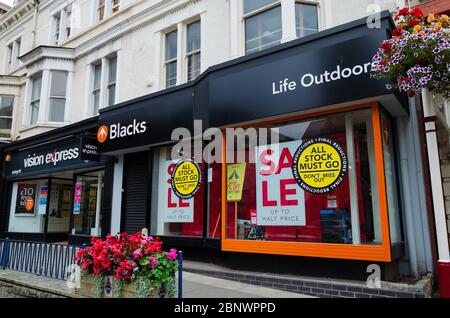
column 88, row 193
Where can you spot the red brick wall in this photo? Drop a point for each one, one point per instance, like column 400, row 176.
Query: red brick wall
column 436, row 6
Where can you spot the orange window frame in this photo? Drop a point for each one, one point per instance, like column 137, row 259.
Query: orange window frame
column 322, row 250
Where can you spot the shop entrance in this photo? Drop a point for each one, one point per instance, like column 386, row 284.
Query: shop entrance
column 87, row 203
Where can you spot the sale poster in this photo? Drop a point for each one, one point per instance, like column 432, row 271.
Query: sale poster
column 175, row 209
column 77, row 199
column 26, row 196
column 235, row 181
column 43, row 195
column 279, row 200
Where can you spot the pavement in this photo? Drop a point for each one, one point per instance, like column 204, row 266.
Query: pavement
column 194, row 286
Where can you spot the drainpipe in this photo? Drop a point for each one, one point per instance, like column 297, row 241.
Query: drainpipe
column 35, row 15
column 440, row 220
column 407, row 201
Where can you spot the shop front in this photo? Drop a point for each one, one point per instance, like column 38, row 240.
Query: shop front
column 55, row 187
column 314, row 174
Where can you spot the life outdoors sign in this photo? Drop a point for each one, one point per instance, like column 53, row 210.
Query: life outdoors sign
column 297, row 78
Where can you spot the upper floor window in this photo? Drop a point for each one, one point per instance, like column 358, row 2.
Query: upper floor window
column 112, row 74
column 101, row 10
column 193, row 53
column 13, row 53
column 171, row 58
column 104, row 83
column 6, row 111
column 263, row 26
column 58, row 91
column 62, row 25
column 115, row 5
column 96, row 87
column 306, row 21
column 35, row 98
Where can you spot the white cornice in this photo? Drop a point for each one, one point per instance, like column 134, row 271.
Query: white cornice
column 49, row 52
column 13, row 81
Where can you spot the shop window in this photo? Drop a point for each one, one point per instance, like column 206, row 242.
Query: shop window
column 6, row 111
column 112, row 74
column 96, row 87
column 391, row 179
column 273, row 207
column 88, row 194
column 171, row 59
column 58, row 91
column 193, row 54
column 35, row 99
column 306, row 22
column 263, row 27
column 60, row 203
column 170, row 215
column 28, row 206
column 214, row 200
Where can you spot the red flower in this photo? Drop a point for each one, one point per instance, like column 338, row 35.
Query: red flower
column 397, row 32
column 386, row 46
column 413, row 23
column 417, row 13
column 403, row 11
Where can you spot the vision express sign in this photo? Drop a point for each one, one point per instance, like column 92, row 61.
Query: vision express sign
column 298, row 78
column 63, row 154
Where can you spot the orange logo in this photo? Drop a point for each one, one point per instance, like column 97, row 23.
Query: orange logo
column 29, row 204
column 102, row 134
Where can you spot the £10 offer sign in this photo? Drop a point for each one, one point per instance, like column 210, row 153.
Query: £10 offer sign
column 280, row 201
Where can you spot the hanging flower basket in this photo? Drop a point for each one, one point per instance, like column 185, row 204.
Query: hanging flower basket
column 127, row 266
column 418, row 54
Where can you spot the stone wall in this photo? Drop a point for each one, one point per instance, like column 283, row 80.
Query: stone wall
column 9, row 290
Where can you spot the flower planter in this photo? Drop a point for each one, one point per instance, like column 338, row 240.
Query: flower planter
column 130, row 290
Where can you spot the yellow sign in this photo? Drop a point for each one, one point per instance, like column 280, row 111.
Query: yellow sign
column 186, row 179
column 319, row 165
column 235, row 181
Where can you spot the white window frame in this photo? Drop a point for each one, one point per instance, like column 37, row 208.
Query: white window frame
column 288, row 21
column 110, row 83
column 58, row 31
column 13, row 53
column 34, row 101
column 50, row 97
column 12, row 112
column 182, row 54
column 171, row 61
column 195, row 52
column 98, row 7
column 254, row 13
column 94, row 90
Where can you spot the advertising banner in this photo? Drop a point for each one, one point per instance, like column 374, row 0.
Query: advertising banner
column 26, row 196
column 43, row 195
column 77, row 198
column 175, row 209
column 235, row 181
column 279, row 200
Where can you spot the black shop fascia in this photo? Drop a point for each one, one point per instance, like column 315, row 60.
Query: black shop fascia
column 54, row 186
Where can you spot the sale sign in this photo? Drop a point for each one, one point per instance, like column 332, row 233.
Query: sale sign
column 279, row 201
column 175, row 209
column 26, row 195
column 235, row 181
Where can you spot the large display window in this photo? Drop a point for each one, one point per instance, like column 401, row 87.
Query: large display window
column 171, row 215
column 281, row 213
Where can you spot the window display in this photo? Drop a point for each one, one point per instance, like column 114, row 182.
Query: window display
column 338, row 200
